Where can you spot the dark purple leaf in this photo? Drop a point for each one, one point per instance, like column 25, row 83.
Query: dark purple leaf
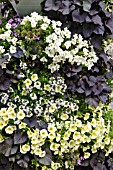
column 4, row 163
column 26, row 158
column 104, row 57
column 22, row 163
column 88, row 91
column 2, row 60
column 85, row 162
column 104, row 168
column 6, row 146
column 103, row 98
column 31, row 122
column 107, row 14
column 99, row 166
column 8, row 152
column 4, row 83
column 66, row 11
column 88, row 29
column 17, row 167
column 43, row 125
column 101, row 78
column 69, row 74
column 109, row 75
column 18, row 54
column 86, row 5
column 67, row 3
column 99, row 30
column 1, row 71
column 106, row 88
column 71, row 86
column 91, row 1
column 93, row 12
column 97, row 89
column 73, row 74
column 64, row 7
column 96, row 41
column 80, row 82
column 88, row 19
column 97, row 20
column 72, row 7
column 18, row 156
column 20, row 138
column 9, row 141
column 14, row 150
column 77, row 2
column 92, row 79
column 92, row 101
column 76, row 69
column 47, row 159
column 101, row 156
column 50, row 5
column 76, row 16
column 95, row 69
column 102, row 5
column 48, row 151
column 80, row 90
column 109, row 24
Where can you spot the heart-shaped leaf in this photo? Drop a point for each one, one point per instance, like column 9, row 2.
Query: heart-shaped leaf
column 4, row 83
column 97, row 20
column 14, row 150
column 86, row 5
column 5, row 147
column 22, row 163
column 92, row 101
column 47, row 159
column 88, row 29
column 20, row 138
column 43, row 125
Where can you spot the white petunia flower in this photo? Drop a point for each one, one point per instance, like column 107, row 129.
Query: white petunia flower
column 33, row 24
column 20, row 115
column 44, row 26
column 2, row 50
column 8, row 26
column 12, row 49
column 34, row 77
column 14, row 40
column 9, row 130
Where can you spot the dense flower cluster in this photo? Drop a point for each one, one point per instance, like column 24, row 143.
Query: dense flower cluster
column 38, row 116
column 109, row 48
column 75, row 50
column 64, row 133
column 60, row 46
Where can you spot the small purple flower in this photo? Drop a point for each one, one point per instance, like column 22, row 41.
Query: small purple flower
column 18, row 20
column 81, row 158
column 79, row 162
column 0, row 21
column 15, row 34
column 62, row 155
column 10, row 21
column 14, row 25
column 37, row 38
